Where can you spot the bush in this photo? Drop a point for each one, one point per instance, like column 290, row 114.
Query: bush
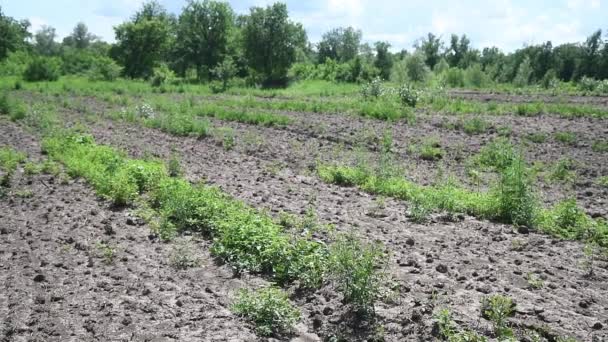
column 42, row 69
column 354, row 267
column 409, row 95
column 373, row 89
column 517, row 204
column 162, row 75
column 475, row 77
column 104, row 69
column 588, row 83
column 454, row 78
column 269, row 309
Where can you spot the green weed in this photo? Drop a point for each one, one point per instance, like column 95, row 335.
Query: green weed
column 356, row 271
column 567, row 138
column 269, row 309
column 497, row 309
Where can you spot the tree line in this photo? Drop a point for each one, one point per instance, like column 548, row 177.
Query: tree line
column 208, row 41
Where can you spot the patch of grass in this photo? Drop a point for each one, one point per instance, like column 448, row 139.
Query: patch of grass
column 600, row 146
column 475, row 125
column 269, row 309
column 240, row 115
column 603, row 181
column 563, row 171
column 448, row 329
column 11, row 107
column 567, row 138
column 113, row 176
column 225, row 137
column 567, row 220
column 431, row 150
column 9, row 160
column 537, row 138
column 497, row 155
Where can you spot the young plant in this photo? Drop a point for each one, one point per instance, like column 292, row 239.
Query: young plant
column 355, row 268
column 431, row 150
column 534, row 281
column 269, row 309
column 497, row 309
column 537, row 138
column 475, row 126
column 517, row 203
column 107, row 253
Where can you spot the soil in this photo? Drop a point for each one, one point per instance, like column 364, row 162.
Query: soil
column 446, row 263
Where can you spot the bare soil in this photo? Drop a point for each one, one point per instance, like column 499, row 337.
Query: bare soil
column 443, row 264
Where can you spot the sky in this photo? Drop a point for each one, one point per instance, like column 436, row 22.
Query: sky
column 507, row 24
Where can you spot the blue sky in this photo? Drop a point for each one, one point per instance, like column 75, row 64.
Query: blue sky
column 507, row 24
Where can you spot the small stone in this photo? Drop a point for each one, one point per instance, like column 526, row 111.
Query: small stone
column 597, row 326
column 409, row 241
column 130, row 221
column 39, row 278
column 328, row 311
column 523, row 230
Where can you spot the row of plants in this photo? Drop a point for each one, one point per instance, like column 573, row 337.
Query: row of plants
column 247, row 239
column 511, row 200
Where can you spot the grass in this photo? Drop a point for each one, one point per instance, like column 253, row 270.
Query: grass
column 9, row 160
column 600, row 146
column 567, row 138
column 511, row 200
column 537, row 138
column 13, row 108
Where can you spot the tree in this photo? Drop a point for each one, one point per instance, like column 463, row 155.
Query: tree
column 431, row 49
column 460, row 54
column 203, row 35
column 270, row 41
column 13, row 34
column 524, row 72
column 80, row 38
column 384, row 60
column 44, row 41
column 591, row 55
column 143, row 42
column 224, row 72
column 340, row 44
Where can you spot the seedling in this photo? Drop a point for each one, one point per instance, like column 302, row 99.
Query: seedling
column 497, row 309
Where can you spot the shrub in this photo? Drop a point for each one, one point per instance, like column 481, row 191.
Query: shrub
column 354, row 267
column 162, row 75
column 269, row 309
column 104, row 69
column 588, row 83
column 42, row 69
column 409, row 95
column 224, row 72
column 517, row 204
column 373, row 89
column 475, row 77
column 454, row 78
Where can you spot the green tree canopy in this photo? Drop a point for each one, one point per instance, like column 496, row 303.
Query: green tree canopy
column 203, row 35
column 270, row 41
